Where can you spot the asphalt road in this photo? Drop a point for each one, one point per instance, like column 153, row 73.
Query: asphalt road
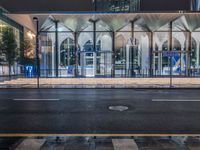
column 85, row 111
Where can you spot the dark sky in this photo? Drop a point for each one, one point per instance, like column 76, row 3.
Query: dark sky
column 85, row 5
column 46, row 5
column 165, row 5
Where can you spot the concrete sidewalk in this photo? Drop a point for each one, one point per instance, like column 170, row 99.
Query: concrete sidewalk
column 102, row 83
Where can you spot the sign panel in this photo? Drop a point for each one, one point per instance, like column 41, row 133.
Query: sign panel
column 170, row 53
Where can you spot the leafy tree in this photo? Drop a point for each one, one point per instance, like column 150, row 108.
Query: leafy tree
column 9, row 46
column 27, row 53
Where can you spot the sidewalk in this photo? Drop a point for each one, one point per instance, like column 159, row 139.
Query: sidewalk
column 102, row 83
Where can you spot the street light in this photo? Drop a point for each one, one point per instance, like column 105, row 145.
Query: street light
column 37, row 50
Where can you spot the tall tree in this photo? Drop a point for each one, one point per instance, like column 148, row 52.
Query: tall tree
column 9, row 46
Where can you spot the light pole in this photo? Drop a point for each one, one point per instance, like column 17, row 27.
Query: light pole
column 37, row 51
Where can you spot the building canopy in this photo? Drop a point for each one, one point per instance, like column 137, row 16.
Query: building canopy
column 112, row 21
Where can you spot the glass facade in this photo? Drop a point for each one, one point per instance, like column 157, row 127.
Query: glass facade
column 117, row 5
column 116, row 45
column 195, row 5
column 101, row 47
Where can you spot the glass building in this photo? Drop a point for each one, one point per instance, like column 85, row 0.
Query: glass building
column 117, row 5
column 195, row 5
column 118, row 45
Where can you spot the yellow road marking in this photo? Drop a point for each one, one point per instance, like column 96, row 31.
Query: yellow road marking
column 98, row 135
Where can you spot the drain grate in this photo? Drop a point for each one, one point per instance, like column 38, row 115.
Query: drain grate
column 118, row 108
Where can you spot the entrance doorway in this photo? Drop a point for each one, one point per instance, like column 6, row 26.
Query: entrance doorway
column 88, row 64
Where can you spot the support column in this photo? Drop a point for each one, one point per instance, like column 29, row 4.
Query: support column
column 151, row 55
column 170, row 45
column 132, row 50
column 188, row 54
column 76, row 54
column 113, row 54
column 94, row 36
column 197, row 54
column 56, row 48
column 37, row 51
column 94, row 44
column 160, row 59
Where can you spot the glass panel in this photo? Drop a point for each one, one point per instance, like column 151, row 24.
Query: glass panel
column 195, row 49
column 95, row 62
column 104, row 54
column 121, row 56
column 195, row 55
column 132, row 55
column 66, row 54
column 47, row 55
column 179, row 61
column 161, row 63
column 86, row 66
column 141, row 54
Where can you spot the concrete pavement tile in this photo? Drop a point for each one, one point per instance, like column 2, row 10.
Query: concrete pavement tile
column 31, row 144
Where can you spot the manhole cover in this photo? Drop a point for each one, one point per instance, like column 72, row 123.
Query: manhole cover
column 118, row 108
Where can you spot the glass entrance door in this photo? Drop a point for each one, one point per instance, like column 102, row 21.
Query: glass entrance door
column 88, row 64
column 104, row 64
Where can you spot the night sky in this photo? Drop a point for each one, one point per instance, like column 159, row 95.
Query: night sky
column 85, row 5
column 165, row 5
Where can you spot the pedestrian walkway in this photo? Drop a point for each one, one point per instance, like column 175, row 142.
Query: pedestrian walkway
column 101, row 83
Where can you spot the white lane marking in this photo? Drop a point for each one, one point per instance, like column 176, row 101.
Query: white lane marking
column 35, row 99
column 124, row 144
column 176, row 100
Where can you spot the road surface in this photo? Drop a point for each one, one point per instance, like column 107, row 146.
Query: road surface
column 86, row 111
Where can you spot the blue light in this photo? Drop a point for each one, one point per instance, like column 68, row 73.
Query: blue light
column 29, row 71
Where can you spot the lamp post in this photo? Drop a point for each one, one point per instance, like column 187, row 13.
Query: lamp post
column 37, row 51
